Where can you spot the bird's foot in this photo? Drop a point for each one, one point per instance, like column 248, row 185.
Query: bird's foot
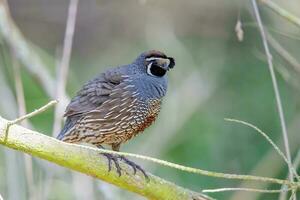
column 112, row 158
column 134, row 166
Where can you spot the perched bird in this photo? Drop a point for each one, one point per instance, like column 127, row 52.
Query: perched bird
column 118, row 104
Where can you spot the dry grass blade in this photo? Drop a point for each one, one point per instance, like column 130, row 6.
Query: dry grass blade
column 268, row 139
column 63, row 66
column 23, row 50
column 244, row 189
column 270, row 160
column 296, row 163
column 22, row 111
column 275, row 87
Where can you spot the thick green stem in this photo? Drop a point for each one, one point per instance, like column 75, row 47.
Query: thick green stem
column 91, row 163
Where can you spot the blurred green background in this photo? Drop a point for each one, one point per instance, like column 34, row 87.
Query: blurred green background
column 215, row 77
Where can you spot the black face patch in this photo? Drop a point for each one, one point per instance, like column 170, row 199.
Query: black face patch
column 156, row 70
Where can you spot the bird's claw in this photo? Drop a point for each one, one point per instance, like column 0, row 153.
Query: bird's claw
column 135, row 167
column 113, row 158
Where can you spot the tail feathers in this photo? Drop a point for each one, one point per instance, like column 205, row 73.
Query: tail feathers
column 70, row 122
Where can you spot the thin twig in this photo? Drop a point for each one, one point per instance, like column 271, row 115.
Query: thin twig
column 194, row 170
column 275, row 87
column 62, row 76
column 35, row 112
column 244, row 189
column 270, row 160
column 293, row 195
column 282, row 12
column 63, row 67
column 1, row 198
column 296, row 163
column 27, row 116
column 19, row 89
column 268, row 139
column 13, row 169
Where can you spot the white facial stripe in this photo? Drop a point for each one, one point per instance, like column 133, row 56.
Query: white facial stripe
column 155, row 58
column 151, row 58
column 148, row 69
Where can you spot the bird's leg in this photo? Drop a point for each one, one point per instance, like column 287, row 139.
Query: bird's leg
column 111, row 158
column 135, row 167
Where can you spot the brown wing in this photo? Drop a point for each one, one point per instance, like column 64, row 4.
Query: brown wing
column 91, row 96
column 93, row 93
column 110, row 122
column 117, row 120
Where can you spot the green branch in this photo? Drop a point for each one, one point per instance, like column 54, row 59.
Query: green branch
column 91, row 163
column 290, row 185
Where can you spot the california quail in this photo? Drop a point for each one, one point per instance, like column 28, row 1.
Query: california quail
column 118, row 104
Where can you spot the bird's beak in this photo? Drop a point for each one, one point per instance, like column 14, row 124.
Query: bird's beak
column 166, row 63
column 171, row 63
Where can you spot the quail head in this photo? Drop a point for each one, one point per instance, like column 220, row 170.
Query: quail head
column 118, row 104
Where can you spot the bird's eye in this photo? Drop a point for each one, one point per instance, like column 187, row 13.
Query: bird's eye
column 155, row 70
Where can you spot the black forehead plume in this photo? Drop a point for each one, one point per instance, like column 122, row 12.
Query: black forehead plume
column 155, row 54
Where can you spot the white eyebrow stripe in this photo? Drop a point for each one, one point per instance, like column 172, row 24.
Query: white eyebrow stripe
column 167, row 60
column 152, row 58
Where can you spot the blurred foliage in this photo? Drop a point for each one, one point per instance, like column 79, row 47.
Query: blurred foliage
column 200, row 35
